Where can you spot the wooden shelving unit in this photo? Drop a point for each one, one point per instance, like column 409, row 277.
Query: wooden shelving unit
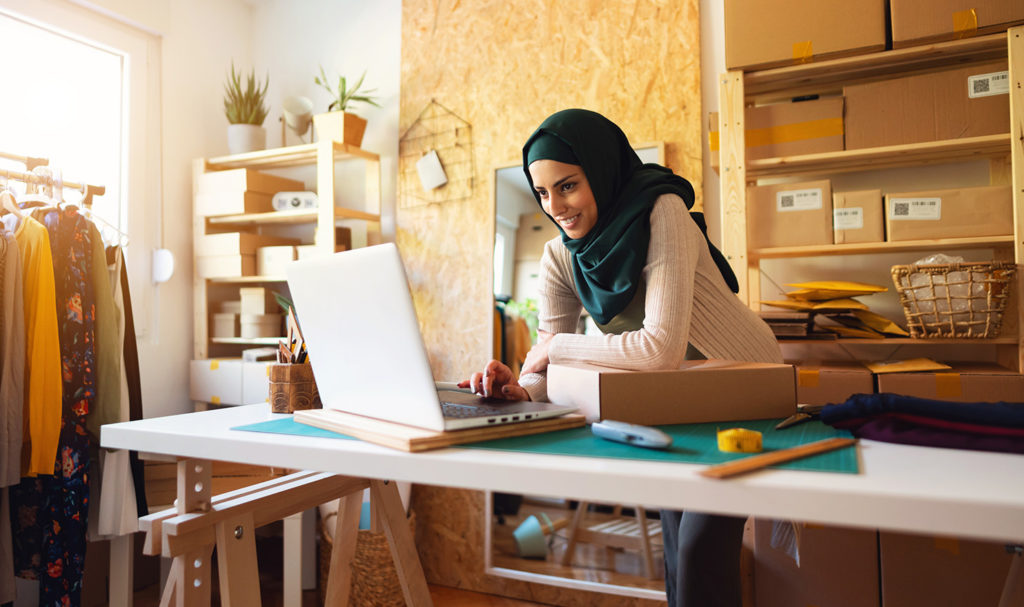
column 324, row 155
column 1005, row 153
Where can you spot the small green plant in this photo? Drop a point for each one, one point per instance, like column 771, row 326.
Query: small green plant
column 245, row 106
column 342, row 96
column 528, row 311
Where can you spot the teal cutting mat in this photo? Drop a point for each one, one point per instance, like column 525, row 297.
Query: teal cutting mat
column 691, row 443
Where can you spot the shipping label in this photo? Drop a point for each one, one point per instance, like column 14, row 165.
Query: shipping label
column 798, row 200
column 986, row 85
column 851, row 218
column 915, row 208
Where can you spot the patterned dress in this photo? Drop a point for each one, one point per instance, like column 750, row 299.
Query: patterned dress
column 49, row 513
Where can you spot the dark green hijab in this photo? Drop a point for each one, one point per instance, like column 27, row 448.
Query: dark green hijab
column 608, row 262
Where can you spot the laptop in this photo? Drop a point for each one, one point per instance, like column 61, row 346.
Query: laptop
column 368, row 358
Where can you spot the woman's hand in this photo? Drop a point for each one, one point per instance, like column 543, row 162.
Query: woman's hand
column 496, row 381
column 537, row 359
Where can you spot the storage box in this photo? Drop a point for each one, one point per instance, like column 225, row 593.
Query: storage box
column 837, row 566
column 235, row 243
column 915, row 22
column 956, row 213
column 924, row 571
column 229, row 381
column 253, row 326
column 225, row 266
column 209, row 204
column 823, row 383
column 242, row 180
column 272, row 261
column 786, row 129
column 767, row 33
column 225, row 324
column 968, row 383
column 788, row 215
column 699, row 391
column 858, row 217
column 257, row 300
column 936, row 106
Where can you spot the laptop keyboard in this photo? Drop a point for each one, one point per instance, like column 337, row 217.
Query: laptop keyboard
column 460, row 410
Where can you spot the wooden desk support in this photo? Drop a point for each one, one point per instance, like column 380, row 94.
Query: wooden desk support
column 199, row 522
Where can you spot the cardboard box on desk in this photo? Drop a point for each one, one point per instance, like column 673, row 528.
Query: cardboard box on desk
column 828, row 382
column 925, row 570
column 966, row 383
column 956, row 213
column 768, row 33
column 229, row 381
column 789, row 215
column 936, row 106
column 838, row 566
column 786, row 129
column 915, row 22
column 699, row 391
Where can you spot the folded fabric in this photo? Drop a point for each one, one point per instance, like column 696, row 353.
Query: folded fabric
column 937, row 423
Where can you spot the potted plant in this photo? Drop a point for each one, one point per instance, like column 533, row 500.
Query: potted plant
column 338, row 123
column 246, row 110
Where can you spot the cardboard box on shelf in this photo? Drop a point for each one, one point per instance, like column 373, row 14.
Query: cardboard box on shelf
column 915, row 22
column 786, row 129
column 858, row 217
column 768, row 33
column 837, row 566
column 790, row 214
column 241, row 180
column 257, row 300
column 229, row 381
column 955, row 213
column 211, row 204
column 225, row 266
column 958, row 571
column 272, row 261
column 950, row 104
column 827, row 382
column 968, row 383
column 234, row 243
column 715, row 390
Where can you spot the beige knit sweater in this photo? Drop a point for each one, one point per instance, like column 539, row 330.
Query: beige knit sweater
column 687, row 301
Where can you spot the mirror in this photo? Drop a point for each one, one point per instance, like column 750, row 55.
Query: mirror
column 527, row 537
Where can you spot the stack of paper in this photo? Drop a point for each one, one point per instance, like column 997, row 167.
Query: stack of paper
column 834, row 299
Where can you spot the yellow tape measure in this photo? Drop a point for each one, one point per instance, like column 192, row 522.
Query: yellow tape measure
column 739, row 440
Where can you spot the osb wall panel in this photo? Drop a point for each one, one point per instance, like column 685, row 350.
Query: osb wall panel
column 503, row 66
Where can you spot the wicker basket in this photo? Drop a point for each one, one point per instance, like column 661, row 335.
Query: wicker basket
column 374, row 578
column 954, row 300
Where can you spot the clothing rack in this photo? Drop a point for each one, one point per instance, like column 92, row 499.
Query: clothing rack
column 87, row 190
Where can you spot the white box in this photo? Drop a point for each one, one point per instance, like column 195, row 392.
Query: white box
column 229, row 381
column 273, row 260
column 225, row 324
column 256, row 300
column 259, row 325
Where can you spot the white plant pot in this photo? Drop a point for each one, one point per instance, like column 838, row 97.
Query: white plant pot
column 246, row 138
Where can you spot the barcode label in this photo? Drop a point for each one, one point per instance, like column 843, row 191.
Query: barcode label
column 986, row 85
column 928, row 209
column 798, row 200
column 851, row 218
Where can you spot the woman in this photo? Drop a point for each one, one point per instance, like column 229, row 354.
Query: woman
column 633, row 256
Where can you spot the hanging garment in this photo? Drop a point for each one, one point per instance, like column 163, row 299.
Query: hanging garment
column 43, row 395
column 134, row 381
column 50, row 513
column 7, row 583
column 12, row 362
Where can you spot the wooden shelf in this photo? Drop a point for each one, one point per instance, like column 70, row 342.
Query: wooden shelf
column 288, row 217
column 248, row 341
column 941, row 244
column 900, row 341
column 892, row 156
column 832, row 75
column 246, row 279
column 290, row 156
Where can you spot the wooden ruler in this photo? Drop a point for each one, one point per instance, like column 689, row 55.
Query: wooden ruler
column 756, row 462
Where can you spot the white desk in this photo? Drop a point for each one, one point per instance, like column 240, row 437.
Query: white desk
column 900, row 488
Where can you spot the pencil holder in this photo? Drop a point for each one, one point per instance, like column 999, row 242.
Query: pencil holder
column 292, row 388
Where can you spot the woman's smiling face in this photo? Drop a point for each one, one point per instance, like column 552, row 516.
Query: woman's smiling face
column 565, row 195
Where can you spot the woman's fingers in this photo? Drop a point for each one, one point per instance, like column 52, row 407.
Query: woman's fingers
column 515, row 392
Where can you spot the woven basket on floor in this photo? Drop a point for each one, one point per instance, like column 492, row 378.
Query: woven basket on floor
column 954, row 300
column 374, row 578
